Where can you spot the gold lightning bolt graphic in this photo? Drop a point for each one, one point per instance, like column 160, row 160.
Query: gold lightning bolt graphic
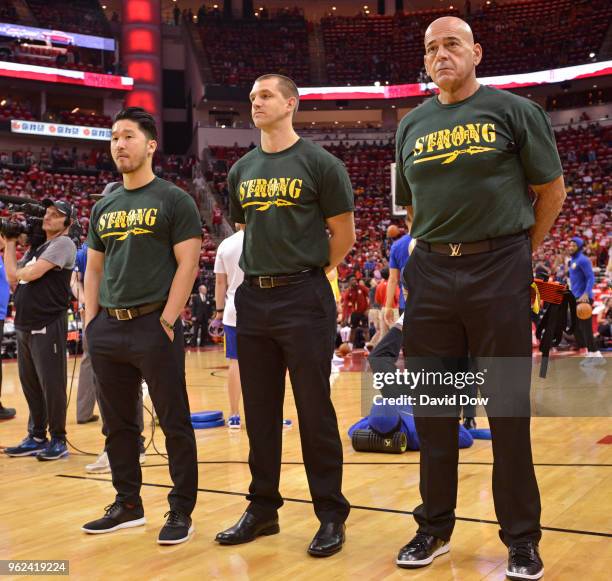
column 453, row 155
column 123, row 235
column 263, row 206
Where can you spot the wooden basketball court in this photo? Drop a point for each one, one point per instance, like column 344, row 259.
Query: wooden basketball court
column 43, row 505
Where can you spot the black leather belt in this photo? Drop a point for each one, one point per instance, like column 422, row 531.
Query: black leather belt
column 134, row 312
column 274, row 280
column 462, row 248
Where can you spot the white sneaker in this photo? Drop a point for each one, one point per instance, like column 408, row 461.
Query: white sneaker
column 100, row 466
column 593, row 358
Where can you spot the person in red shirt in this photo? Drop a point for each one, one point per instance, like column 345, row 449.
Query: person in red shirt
column 217, row 219
column 381, row 297
column 355, row 304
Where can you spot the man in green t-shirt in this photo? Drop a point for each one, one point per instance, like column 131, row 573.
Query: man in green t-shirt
column 465, row 161
column 144, row 245
column 285, row 193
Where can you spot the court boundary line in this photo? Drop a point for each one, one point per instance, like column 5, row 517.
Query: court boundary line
column 353, row 506
column 296, row 463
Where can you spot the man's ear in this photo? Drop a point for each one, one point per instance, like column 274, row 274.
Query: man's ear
column 477, row 54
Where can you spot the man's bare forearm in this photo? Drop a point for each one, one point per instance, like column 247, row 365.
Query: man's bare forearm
column 391, row 287
column 220, row 292
column 547, row 207
column 180, row 290
column 339, row 246
column 10, row 261
column 93, row 278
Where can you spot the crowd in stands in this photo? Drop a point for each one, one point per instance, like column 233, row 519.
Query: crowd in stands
column 364, row 49
column 10, row 109
column 17, row 108
column 60, row 57
column 74, row 176
column 82, row 16
column 238, row 51
column 7, row 11
column 520, row 36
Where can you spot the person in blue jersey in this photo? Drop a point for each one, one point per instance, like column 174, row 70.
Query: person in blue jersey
column 5, row 293
column 582, row 281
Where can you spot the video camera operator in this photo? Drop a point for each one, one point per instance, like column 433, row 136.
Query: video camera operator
column 42, row 293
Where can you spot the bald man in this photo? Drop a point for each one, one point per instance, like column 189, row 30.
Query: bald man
column 465, row 161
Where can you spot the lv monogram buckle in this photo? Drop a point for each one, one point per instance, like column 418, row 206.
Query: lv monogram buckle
column 455, row 249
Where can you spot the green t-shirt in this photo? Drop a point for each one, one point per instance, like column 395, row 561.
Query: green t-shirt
column 136, row 230
column 465, row 167
column 284, row 199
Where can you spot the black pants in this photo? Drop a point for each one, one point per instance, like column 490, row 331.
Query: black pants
column 122, row 353
column 290, row 327
column 200, row 326
column 41, row 359
column 477, row 304
column 584, row 333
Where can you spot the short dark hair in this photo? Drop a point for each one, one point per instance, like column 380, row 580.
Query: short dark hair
column 286, row 85
column 144, row 119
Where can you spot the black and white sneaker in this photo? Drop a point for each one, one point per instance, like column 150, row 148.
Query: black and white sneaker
column 421, row 551
column 524, row 561
column 117, row 516
column 178, row 529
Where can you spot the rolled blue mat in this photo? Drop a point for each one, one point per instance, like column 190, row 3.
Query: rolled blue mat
column 480, row 434
column 206, row 425
column 206, row 416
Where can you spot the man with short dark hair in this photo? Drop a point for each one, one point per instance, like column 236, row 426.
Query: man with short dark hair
column 285, row 193
column 42, row 295
column 582, row 281
column 465, row 161
column 144, row 246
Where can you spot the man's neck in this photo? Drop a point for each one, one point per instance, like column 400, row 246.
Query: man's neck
column 139, row 178
column 462, row 93
column 55, row 235
column 278, row 139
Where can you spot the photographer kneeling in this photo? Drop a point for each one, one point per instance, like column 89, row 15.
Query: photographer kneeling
column 42, row 294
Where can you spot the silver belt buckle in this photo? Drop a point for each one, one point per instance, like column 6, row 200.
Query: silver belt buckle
column 269, row 284
column 455, row 249
column 119, row 314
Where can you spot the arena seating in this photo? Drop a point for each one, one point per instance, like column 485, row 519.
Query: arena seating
column 7, row 11
column 83, row 16
column 517, row 37
column 364, row 49
column 89, row 120
column 71, row 58
column 239, row 51
column 15, row 110
column 533, row 35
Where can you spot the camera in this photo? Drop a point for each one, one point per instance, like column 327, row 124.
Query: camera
column 32, row 225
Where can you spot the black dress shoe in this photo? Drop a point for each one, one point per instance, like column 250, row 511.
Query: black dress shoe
column 524, row 561
column 421, row 551
column 469, row 423
column 247, row 529
column 328, row 540
column 92, row 418
column 7, row 413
